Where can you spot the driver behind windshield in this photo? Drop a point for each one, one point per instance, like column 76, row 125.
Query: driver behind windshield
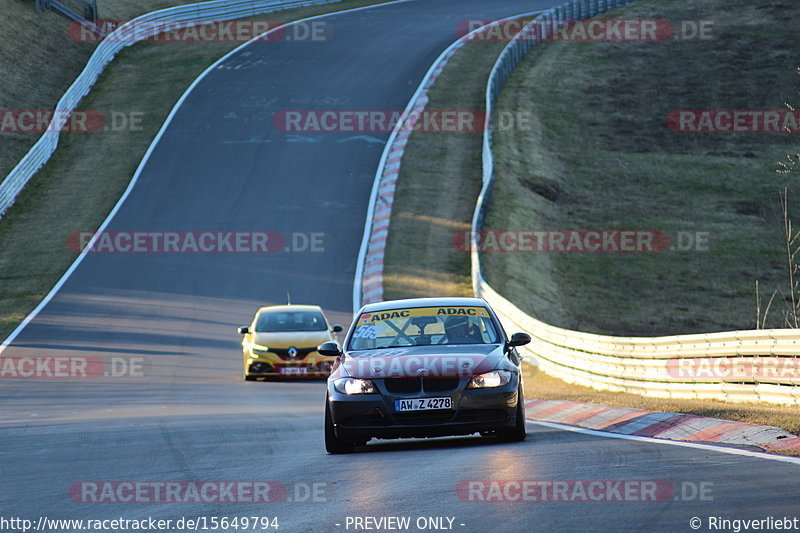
column 461, row 330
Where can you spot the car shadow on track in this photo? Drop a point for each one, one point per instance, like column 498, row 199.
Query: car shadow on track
column 437, row 443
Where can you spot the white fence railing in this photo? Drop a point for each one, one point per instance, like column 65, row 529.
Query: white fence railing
column 759, row 365
column 129, row 33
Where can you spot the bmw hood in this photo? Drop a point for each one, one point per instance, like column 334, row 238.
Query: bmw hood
column 423, row 361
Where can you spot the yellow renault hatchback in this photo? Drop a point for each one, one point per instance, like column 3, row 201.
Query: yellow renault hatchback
column 282, row 341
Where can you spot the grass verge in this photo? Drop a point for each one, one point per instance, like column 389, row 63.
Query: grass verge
column 39, row 60
column 441, row 175
column 89, row 171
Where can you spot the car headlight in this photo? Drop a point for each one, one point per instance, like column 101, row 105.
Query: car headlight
column 354, row 386
column 256, row 350
column 497, row 378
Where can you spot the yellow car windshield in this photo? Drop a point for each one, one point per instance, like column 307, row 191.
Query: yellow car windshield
column 288, row 321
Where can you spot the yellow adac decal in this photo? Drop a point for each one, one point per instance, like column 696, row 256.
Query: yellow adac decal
column 464, row 311
column 368, row 318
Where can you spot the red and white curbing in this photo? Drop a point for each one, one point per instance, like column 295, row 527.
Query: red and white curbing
column 372, row 274
column 656, row 424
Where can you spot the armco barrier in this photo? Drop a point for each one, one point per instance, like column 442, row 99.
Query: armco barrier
column 127, row 34
column 759, row 365
column 747, row 366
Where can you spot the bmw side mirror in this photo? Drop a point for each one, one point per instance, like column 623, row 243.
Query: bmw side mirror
column 329, row 348
column 244, row 330
column 337, row 328
column 519, row 339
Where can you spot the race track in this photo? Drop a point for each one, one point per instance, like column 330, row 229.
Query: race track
column 222, row 166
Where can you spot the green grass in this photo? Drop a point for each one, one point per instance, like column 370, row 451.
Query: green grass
column 85, row 177
column 600, row 156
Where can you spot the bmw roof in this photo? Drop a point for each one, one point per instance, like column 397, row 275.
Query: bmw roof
column 289, row 308
column 424, row 302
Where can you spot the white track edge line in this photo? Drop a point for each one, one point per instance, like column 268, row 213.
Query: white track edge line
column 65, row 277
column 695, row 445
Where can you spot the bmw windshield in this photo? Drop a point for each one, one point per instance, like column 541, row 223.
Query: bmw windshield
column 423, row 326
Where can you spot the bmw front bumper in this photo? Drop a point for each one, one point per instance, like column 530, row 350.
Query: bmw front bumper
column 359, row 417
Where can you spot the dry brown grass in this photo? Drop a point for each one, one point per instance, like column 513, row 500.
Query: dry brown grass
column 600, row 156
column 39, row 60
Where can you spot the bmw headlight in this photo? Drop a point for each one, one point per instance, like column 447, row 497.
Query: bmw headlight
column 497, row 378
column 354, row 386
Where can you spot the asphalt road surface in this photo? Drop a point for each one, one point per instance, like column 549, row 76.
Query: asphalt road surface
column 180, row 413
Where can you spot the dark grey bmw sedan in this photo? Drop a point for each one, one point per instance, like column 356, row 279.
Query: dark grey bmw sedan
column 424, row 367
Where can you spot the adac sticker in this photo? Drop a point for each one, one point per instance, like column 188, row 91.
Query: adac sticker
column 386, row 315
column 464, row 311
column 368, row 318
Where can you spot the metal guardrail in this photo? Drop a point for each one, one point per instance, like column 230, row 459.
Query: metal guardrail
column 129, row 33
column 746, row 366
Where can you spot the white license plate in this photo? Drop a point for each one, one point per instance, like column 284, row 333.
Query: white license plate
column 423, row 404
column 293, row 370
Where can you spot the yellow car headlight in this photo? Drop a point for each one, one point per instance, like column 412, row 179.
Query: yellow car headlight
column 257, row 350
